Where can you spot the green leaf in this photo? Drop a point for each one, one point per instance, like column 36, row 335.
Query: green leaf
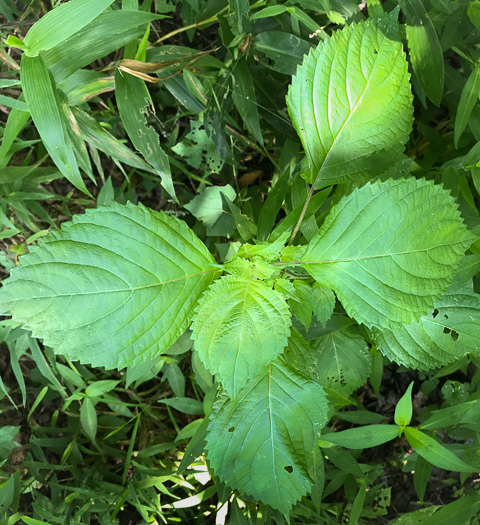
column 362, row 437
column 343, row 361
column 461, row 510
column 468, row 99
column 444, row 335
column 60, row 23
column 240, row 327
column 425, row 49
column 88, row 418
column 434, row 452
column 403, row 410
column 90, row 44
column 43, row 102
column 389, row 249
column 465, row 413
column 351, row 104
column 209, row 208
column 423, row 469
column 134, row 103
column 244, row 98
column 261, row 442
column 323, row 303
column 91, row 290
column 7, row 440
column 186, row 405
column 301, row 355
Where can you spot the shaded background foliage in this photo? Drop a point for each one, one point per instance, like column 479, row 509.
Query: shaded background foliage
column 83, row 445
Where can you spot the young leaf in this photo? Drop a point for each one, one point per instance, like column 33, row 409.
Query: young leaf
column 362, row 437
column 389, row 249
column 240, row 327
column 343, row 361
column 425, row 50
column 468, row 99
column 351, row 103
column 301, row 355
column 88, row 418
column 423, row 469
column 57, row 25
column 261, row 442
column 115, row 287
column 134, row 103
column 444, row 335
column 434, row 452
column 43, row 102
column 403, row 410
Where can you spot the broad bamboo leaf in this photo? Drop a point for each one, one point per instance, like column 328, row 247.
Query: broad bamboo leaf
column 240, row 327
column 425, row 49
column 468, row 99
column 445, row 335
column 60, row 23
column 115, row 287
column 389, row 249
column 92, row 42
column 43, row 102
column 351, row 103
column 261, row 442
column 343, row 361
column 134, row 103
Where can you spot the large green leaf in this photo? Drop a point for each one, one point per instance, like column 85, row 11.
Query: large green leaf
column 262, row 442
column 444, row 335
column 351, row 103
column 389, row 249
column 114, row 287
column 241, row 326
column 343, row 360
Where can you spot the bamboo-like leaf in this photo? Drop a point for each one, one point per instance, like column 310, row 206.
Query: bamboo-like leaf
column 425, row 49
column 43, row 102
column 468, row 99
column 134, row 104
column 60, row 23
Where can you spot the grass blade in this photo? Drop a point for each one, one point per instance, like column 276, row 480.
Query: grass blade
column 42, row 99
column 60, row 23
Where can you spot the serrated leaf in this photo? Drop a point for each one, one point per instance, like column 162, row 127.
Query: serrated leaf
column 114, row 287
column 261, row 442
column 389, row 249
column 240, row 327
column 59, row 23
column 343, row 360
column 323, row 303
column 301, row 355
column 425, row 49
column 445, row 335
column 351, row 103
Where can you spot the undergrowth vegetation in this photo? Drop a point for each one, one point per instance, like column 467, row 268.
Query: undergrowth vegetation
column 240, row 254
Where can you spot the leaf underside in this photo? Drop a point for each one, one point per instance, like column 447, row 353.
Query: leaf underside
column 351, row 104
column 389, row 249
column 262, row 442
column 240, row 326
column 114, row 287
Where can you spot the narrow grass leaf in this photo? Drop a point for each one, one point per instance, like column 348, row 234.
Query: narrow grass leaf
column 468, row 99
column 425, row 49
column 60, row 23
column 134, row 104
column 43, row 101
column 362, row 437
